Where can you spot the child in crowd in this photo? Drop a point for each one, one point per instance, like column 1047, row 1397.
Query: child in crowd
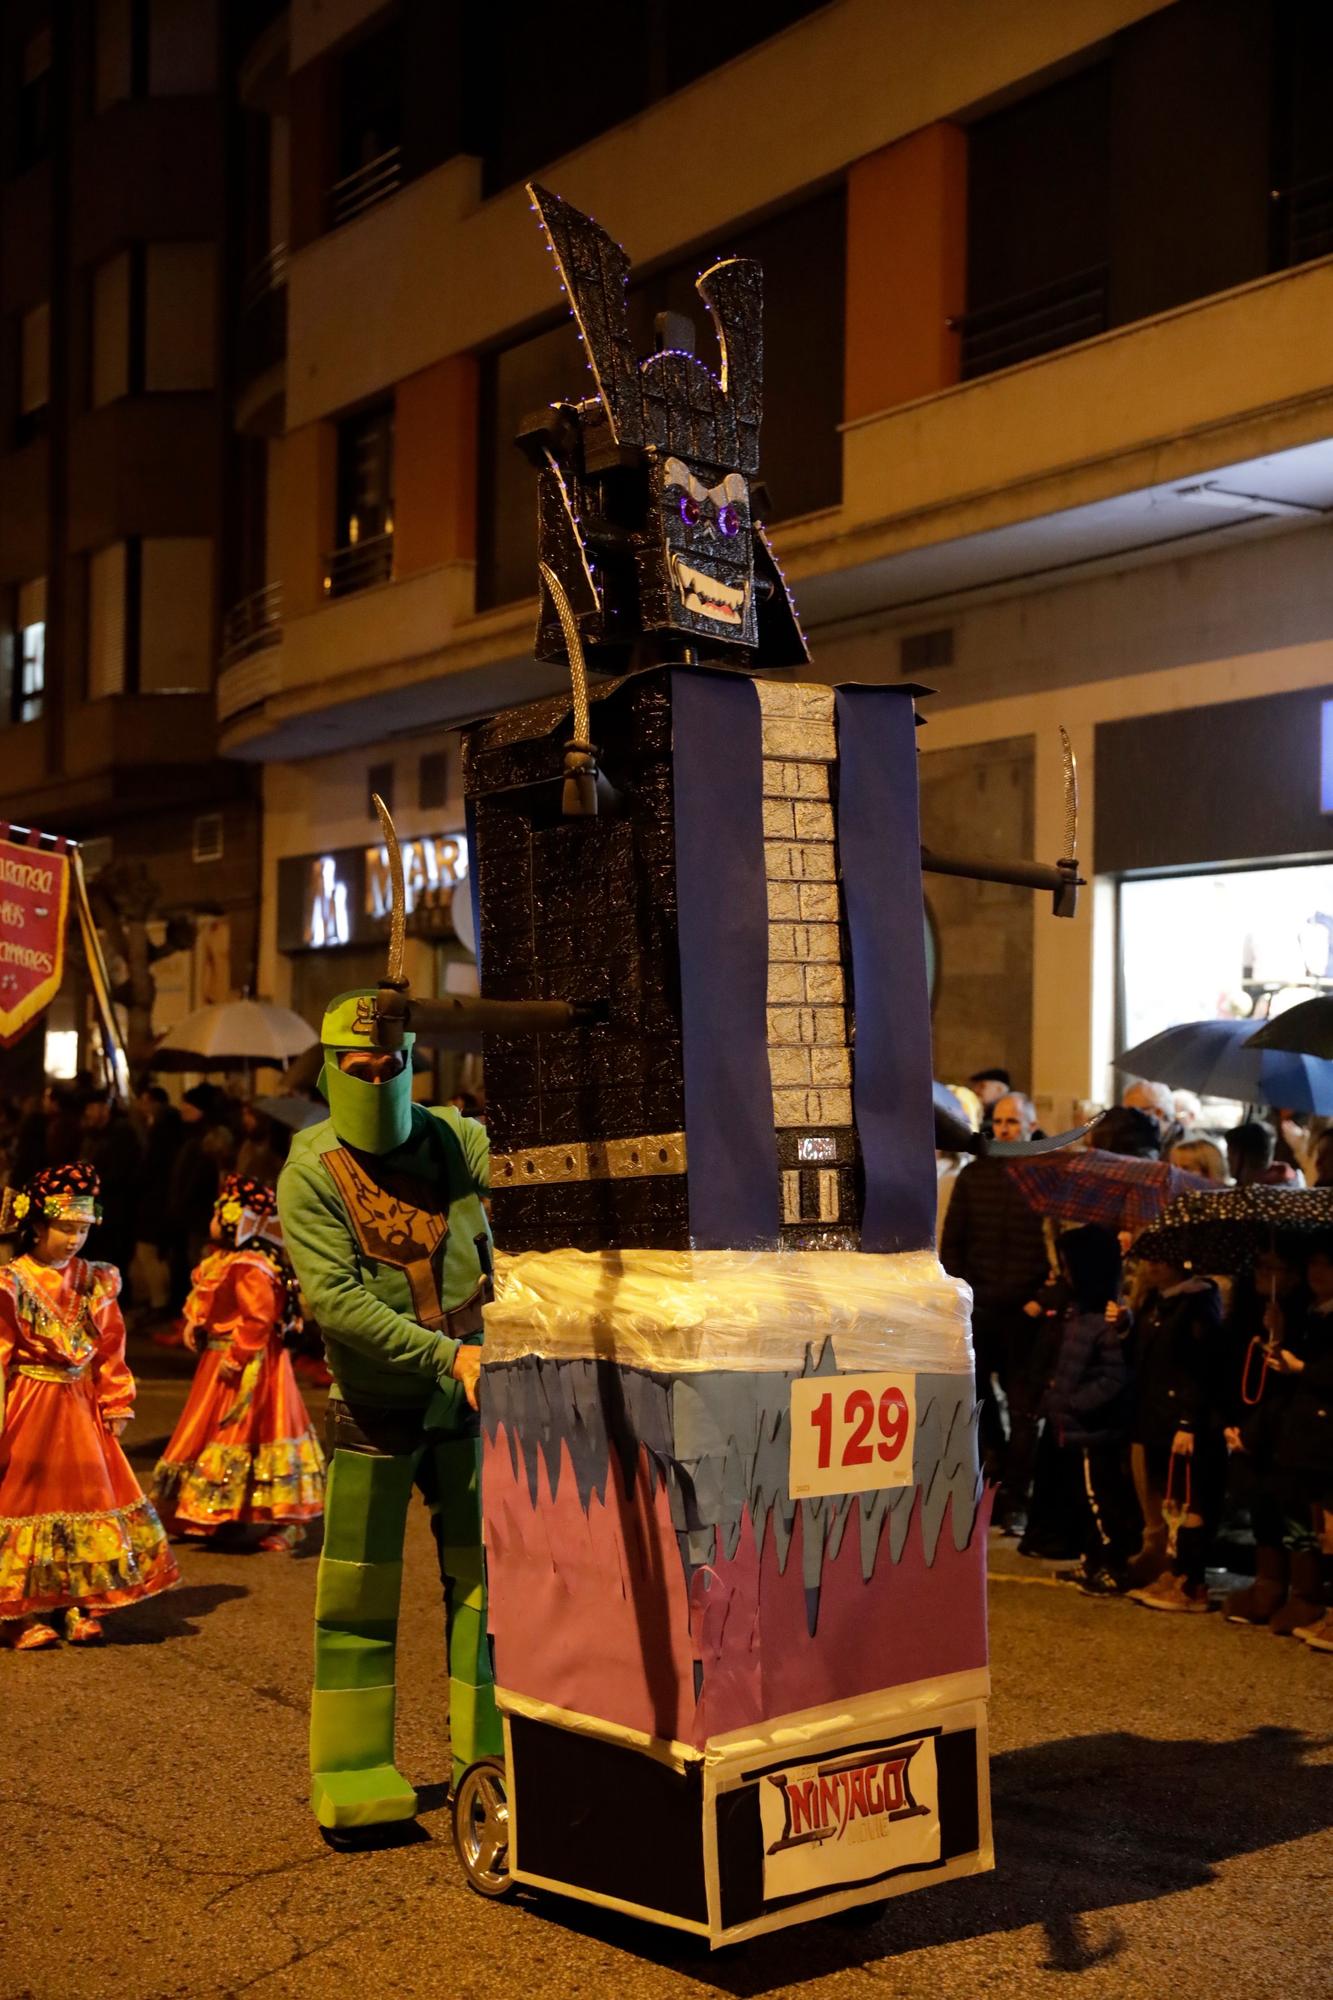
column 76, row 1534
column 1178, row 1452
column 1269, row 1314
column 1087, row 1403
column 1291, row 1503
column 243, row 1451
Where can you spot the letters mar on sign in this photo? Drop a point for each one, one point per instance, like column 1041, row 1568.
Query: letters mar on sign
column 851, row 1433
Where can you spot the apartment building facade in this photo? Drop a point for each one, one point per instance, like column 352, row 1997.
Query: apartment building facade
column 1048, row 428
column 115, row 437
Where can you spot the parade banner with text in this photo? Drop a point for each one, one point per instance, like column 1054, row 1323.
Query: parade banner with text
column 34, row 901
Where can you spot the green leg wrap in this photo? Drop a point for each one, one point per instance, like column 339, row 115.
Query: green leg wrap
column 451, row 1481
column 353, row 1780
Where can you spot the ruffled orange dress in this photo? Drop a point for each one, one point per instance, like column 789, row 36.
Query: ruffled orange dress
column 243, row 1449
column 75, row 1527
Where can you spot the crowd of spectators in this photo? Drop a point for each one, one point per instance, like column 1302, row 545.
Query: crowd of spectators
column 160, row 1166
column 1141, row 1420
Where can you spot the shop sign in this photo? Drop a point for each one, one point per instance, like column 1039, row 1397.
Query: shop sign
column 432, row 869
column 853, row 1816
column 345, row 897
column 34, row 902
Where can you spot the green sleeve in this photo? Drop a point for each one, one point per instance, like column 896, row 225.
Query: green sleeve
column 323, row 1249
column 477, row 1151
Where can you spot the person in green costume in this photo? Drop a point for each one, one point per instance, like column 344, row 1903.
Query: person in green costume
column 384, row 1218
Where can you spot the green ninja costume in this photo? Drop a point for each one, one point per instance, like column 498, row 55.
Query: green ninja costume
column 382, row 1210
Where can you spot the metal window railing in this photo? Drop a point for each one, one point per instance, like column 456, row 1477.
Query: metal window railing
column 253, row 624
column 262, row 333
column 1303, row 221
column 1034, row 323
column 368, row 186
column 362, row 563
column 268, row 275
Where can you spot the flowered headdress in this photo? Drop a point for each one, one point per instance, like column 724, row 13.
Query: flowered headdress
column 245, row 1208
column 57, row 1194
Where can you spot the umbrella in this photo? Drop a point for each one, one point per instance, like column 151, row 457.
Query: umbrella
column 1212, row 1058
column 1303, row 1030
column 235, row 1035
column 1106, row 1188
column 294, row 1112
column 1227, row 1229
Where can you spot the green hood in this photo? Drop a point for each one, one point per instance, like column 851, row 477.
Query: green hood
column 373, row 1117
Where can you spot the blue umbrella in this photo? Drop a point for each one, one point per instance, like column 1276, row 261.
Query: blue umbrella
column 1211, row 1057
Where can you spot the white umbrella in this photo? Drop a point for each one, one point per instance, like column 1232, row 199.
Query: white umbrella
column 235, row 1035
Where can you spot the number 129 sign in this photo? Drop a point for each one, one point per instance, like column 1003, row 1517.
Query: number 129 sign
column 851, row 1433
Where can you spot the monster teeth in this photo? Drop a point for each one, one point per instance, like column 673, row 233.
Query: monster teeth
column 708, row 596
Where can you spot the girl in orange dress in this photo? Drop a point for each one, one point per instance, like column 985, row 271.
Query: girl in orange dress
column 76, row 1533
column 243, row 1451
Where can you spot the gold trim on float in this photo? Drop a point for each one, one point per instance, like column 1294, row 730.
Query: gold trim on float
column 590, row 1160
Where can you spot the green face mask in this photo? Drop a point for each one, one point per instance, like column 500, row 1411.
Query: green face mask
column 373, row 1117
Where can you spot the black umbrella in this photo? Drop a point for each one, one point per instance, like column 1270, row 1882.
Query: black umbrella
column 1225, row 1231
column 1306, row 1029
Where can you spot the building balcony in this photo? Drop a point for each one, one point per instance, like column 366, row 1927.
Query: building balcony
column 261, row 347
column 360, row 565
column 1215, row 418
column 252, row 625
column 357, row 193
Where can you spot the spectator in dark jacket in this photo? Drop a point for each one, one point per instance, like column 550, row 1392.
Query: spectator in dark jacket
column 1292, row 1501
column 995, row 1241
column 1087, row 1403
column 1268, row 1310
column 1179, row 1454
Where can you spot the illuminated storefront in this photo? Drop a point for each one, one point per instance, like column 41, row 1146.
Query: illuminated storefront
column 1216, row 826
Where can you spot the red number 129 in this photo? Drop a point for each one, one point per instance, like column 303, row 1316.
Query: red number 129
column 858, row 1415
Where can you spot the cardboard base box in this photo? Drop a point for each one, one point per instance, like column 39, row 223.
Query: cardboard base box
column 805, row 1816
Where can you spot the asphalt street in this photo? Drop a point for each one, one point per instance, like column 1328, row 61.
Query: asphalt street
column 1163, row 1793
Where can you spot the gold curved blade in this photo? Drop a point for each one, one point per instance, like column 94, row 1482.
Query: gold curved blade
column 578, row 672
column 398, row 915
column 1071, row 796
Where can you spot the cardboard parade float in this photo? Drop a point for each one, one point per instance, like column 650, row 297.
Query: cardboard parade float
column 734, row 1518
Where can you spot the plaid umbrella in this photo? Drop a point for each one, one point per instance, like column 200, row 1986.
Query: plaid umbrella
column 1106, row 1188
column 1225, row 1231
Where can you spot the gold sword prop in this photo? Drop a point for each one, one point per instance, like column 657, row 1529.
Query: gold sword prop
column 394, row 974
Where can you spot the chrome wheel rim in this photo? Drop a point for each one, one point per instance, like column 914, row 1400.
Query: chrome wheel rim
column 483, row 1828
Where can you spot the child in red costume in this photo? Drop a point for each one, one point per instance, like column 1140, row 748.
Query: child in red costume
column 243, row 1450
column 76, row 1532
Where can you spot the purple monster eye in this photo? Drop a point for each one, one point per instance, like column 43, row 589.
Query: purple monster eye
column 689, row 509
column 728, row 522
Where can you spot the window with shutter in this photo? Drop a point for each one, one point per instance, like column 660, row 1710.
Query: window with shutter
column 113, row 70
column 179, row 333
column 108, row 576
column 176, row 615
column 111, row 330
column 34, row 362
column 182, row 35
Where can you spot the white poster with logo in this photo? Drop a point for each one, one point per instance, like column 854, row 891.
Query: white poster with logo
column 850, row 1817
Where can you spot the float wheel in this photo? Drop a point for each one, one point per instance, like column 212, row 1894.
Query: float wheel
column 481, row 1827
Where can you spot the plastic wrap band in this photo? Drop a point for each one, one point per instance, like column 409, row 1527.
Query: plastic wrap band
column 742, row 1309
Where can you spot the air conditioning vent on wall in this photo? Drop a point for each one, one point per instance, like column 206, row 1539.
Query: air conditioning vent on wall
column 924, row 652
column 207, row 842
